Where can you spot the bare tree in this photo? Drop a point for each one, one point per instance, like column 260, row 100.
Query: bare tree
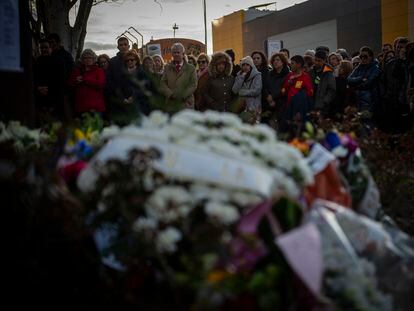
column 53, row 16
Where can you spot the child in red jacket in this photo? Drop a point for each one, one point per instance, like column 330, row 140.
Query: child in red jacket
column 299, row 91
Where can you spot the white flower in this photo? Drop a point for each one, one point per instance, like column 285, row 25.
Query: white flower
column 157, row 119
column 169, row 203
column 203, row 192
column 109, row 132
column 167, row 239
column 102, row 207
column 87, row 180
column 223, row 213
column 244, row 199
column 144, row 224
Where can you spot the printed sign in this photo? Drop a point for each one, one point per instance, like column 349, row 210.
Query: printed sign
column 9, row 36
column 153, row 49
column 273, row 46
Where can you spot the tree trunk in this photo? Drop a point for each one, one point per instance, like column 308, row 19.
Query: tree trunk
column 54, row 16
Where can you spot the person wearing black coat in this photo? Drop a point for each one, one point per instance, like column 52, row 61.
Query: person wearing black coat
column 365, row 80
column 49, row 80
column 275, row 100
column 260, row 61
column 236, row 67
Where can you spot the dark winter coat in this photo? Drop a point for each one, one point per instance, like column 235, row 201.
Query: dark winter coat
column 49, row 71
column 324, row 88
column 218, row 90
column 365, row 80
column 65, row 58
column 89, row 94
column 274, row 85
column 199, row 99
column 114, row 77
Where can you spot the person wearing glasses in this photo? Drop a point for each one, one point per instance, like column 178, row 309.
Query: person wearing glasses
column 365, row 80
column 88, row 82
column 202, row 76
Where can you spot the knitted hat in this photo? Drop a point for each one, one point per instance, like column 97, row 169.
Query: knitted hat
column 247, row 60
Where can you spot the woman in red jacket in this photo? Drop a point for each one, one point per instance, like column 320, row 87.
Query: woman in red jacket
column 88, row 82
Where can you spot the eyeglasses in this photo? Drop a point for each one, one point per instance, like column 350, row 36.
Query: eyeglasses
column 201, row 62
column 130, row 60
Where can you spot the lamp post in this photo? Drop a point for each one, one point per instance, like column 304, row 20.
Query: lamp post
column 205, row 23
column 175, row 27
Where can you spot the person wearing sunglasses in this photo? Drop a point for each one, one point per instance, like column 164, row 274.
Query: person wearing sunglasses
column 365, row 80
column 202, row 77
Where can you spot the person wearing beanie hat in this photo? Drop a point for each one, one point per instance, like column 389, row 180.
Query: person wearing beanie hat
column 309, row 58
column 324, row 84
column 248, row 86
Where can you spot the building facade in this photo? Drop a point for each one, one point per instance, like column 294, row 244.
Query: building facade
column 346, row 24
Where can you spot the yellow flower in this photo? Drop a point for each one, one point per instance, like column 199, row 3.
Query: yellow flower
column 79, row 135
column 217, row 276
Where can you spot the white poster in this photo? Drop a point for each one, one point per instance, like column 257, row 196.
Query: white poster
column 273, row 46
column 153, row 49
column 9, row 36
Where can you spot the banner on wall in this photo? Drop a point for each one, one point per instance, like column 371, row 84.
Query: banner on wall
column 9, row 36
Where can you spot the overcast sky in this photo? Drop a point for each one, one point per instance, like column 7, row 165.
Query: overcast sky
column 108, row 20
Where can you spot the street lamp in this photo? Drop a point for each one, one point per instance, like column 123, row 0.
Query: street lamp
column 205, row 23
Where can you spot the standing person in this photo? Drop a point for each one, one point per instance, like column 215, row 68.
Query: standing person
column 343, row 53
column 344, row 95
column 285, row 52
column 218, row 91
column 248, row 86
column 88, row 82
column 356, row 61
column 135, row 85
column 365, row 80
column 59, row 52
column 114, row 76
column 49, row 79
column 236, row 67
column 64, row 59
column 334, row 60
column 386, row 47
column 309, row 58
column 324, row 85
column 388, row 56
column 392, row 90
column 148, row 65
column 260, row 61
column 178, row 82
column 158, row 69
column 192, row 60
column 298, row 89
column 275, row 99
column 202, row 76
column 103, row 62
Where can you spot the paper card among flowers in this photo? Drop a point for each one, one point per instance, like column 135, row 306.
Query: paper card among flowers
column 303, row 251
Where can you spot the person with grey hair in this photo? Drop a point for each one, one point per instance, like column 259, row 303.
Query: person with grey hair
column 88, row 82
column 178, row 82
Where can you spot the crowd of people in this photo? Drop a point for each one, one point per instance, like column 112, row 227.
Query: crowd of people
column 280, row 90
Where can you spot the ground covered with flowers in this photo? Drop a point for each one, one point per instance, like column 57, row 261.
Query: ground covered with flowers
column 202, row 211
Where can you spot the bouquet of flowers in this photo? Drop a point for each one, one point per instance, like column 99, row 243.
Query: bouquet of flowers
column 168, row 199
